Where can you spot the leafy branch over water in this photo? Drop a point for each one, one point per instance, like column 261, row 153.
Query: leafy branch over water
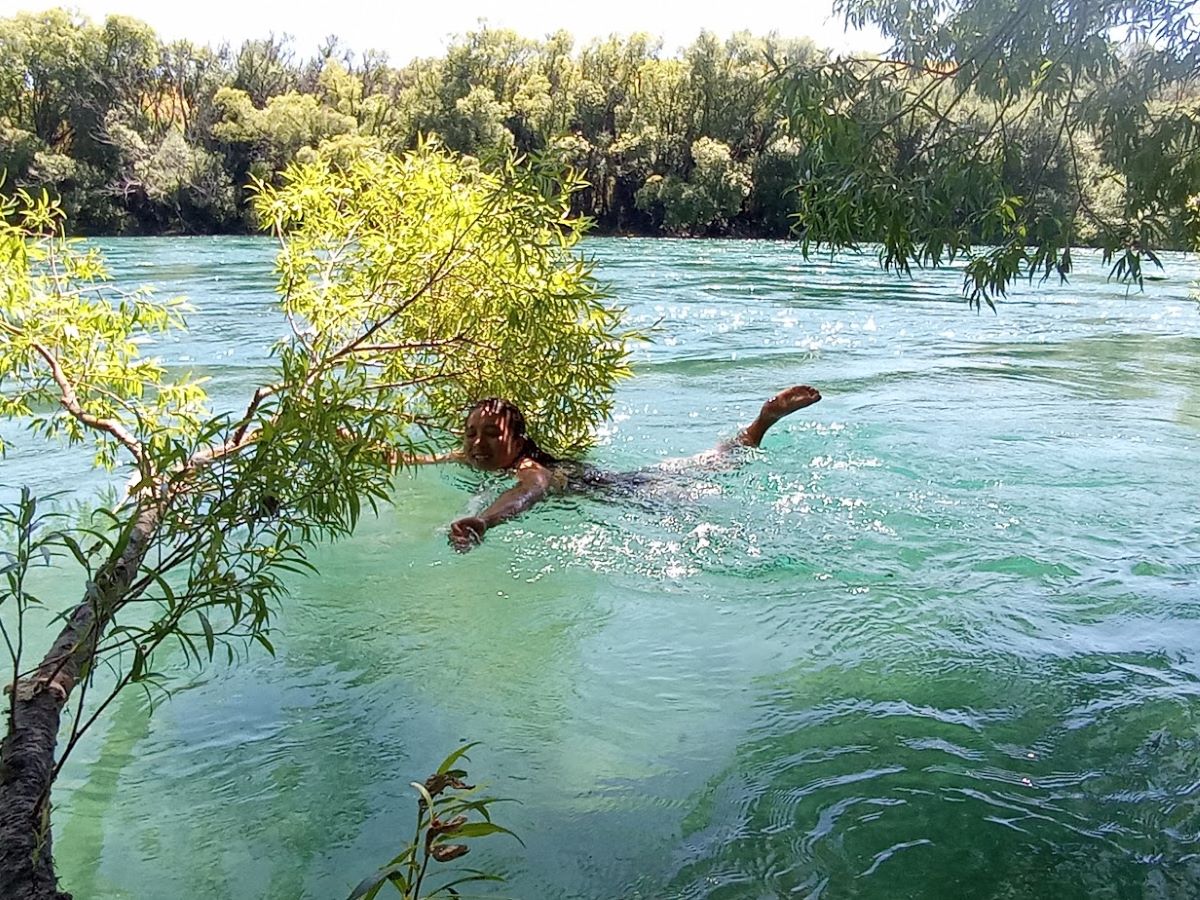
column 411, row 284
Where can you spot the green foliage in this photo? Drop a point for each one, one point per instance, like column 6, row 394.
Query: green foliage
column 47, row 58
column 264, row 69
column 413, row 284
column 72, row 365
column 275, row 133
column 777, row 172
column 1004, row 133
column 339, row 89
column 710, row 196
column 29, row 530
column 159, row 137
column 424, row 266
column 18, row 149
column 994, row 134
column 58, row 328
column 177, row 180
column 445, row 806
column 477, row 125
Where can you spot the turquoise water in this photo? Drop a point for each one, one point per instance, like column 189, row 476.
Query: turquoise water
column 941, row 637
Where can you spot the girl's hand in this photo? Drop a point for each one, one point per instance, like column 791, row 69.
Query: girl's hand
column 466, row 533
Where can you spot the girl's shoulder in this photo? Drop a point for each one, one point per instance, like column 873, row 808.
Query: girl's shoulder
column 563, row 472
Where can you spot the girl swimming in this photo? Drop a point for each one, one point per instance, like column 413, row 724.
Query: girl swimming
column 495, row 440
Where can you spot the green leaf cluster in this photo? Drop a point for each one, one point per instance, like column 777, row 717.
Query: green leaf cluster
column 35, row 539
column 417, row 284
column 1004, row 134
column 712, row 194
column 413, row 284
column 61, row 324
column 999, row 132
column 445, row 805
column 142, row 135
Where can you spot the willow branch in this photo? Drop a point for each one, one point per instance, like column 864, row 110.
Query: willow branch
column 415, row 345
column 259, row 396
column 438, row 274
column 70, row 402
column 1004, row 31
column 393, row 385
column 878, row 63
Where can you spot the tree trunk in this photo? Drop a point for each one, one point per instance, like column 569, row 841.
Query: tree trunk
column 27, row 754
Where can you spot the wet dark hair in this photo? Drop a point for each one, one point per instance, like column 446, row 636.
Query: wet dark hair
column 511, row 413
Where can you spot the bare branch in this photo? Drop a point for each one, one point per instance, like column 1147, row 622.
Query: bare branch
column 415, row 345
column 436, row 376
column 259, row 396
column 70, row 402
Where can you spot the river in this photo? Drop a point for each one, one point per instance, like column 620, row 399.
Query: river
column 939, row 638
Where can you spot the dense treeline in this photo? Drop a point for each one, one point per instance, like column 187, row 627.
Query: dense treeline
column 138, row 135
column 142, row 136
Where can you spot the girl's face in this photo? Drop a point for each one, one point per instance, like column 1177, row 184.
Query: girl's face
column 489, row 442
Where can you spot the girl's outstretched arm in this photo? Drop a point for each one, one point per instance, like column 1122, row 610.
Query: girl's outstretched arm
column 533, row 482
column 396, row 458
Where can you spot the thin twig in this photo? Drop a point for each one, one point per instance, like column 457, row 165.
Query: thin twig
column 70, row 402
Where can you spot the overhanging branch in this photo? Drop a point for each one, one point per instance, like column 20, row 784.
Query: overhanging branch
column 70, row 402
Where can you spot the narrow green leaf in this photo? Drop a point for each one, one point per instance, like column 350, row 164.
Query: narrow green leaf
column 262, row 639
column 482, row 829
column 460, row 753
column 209, row 639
